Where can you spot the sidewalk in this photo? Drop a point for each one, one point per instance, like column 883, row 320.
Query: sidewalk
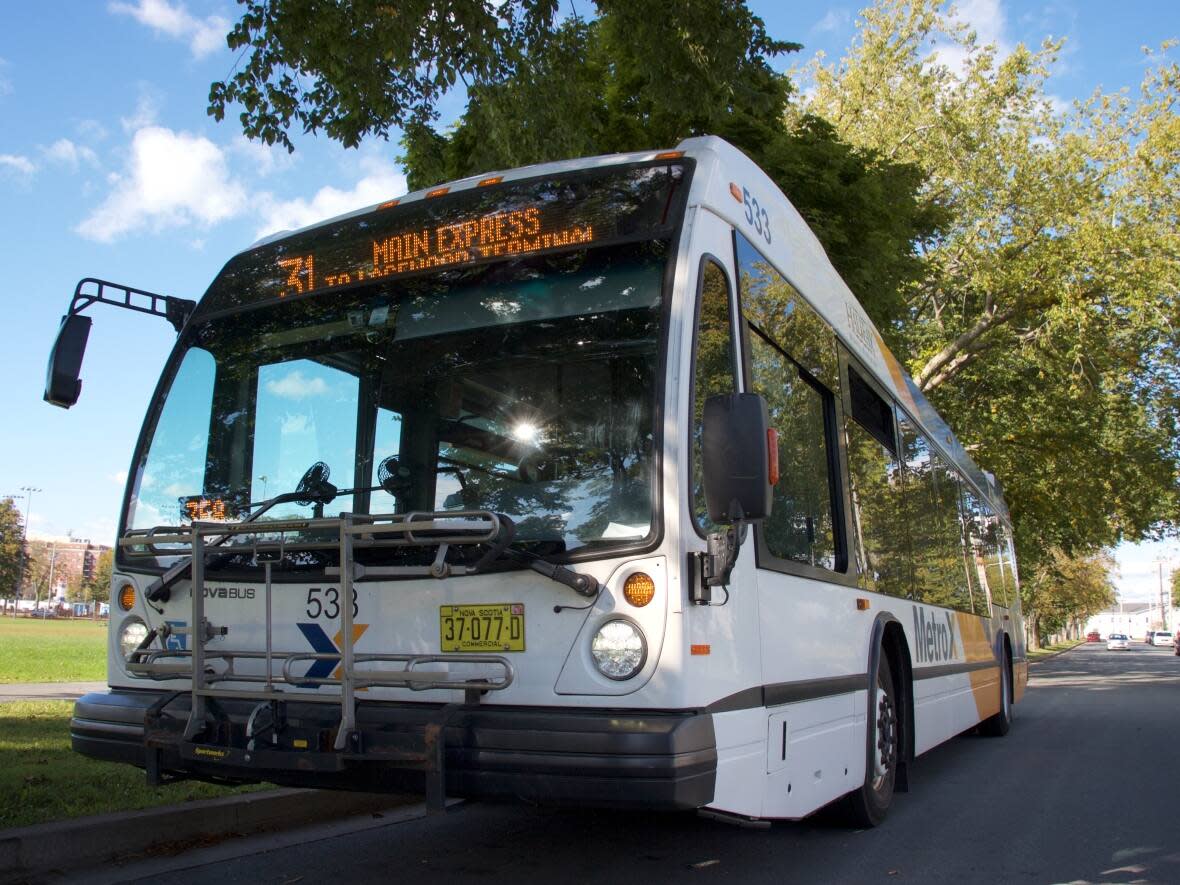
column 47, row 691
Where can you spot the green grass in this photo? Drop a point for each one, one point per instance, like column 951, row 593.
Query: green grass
column 42, row 779
column 52, row 651
column 1035, row 654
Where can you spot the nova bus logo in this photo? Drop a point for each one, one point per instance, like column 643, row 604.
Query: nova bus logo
column 935, row 639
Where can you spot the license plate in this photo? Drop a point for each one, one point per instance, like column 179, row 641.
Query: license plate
column 491, row 627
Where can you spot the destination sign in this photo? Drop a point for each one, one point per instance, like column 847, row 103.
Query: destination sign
column 577, row 210
column 493, row 235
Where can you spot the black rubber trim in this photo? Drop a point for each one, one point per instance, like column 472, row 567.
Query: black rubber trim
column 779, row 693
column 951, row 669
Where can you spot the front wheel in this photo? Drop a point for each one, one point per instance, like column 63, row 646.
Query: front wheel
column 998, row 725
column 867, row 806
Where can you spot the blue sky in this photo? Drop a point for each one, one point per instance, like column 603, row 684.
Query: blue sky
column 110, row 167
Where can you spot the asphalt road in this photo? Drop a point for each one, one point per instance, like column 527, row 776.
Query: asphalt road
column 1084, row 789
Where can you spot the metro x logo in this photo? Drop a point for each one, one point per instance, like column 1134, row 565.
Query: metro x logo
column 320, row 642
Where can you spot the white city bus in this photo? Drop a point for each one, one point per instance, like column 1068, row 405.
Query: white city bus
column 584, row 483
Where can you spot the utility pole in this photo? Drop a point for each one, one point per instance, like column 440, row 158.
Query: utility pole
column 49, row 588
column 1160, row 563
column 24, row 555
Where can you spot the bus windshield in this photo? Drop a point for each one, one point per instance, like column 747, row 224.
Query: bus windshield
column 526, row 387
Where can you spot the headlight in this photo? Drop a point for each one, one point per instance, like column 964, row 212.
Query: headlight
column 619, row 649
column 134, row 631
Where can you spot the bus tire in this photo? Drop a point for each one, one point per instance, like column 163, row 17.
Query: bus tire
column 998, row 725
column 867, row 806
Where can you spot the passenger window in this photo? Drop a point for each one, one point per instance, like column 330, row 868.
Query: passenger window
column 801, row 526
column 932, row 513
column 874, row 475
column 772, row 304
column 983, row 533
column 713, row 370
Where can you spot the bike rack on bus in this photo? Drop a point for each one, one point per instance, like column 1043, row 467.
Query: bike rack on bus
column 210, row 669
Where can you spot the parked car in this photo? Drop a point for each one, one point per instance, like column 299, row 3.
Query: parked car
column 1116, row 641
column 1093, row 636
column 43, row 613
column 1162, row 637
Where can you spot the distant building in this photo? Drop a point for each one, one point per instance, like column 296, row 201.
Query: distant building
column 73, row 561
column 1132, row 618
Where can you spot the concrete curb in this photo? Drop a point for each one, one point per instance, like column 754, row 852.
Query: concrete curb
column 33, row 852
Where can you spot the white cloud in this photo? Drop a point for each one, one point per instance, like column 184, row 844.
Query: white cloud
column 67, row 153
column 172, row 179
column 203, row 35
column 5, row 83
column 265, row 158
column 382, row 182
column 21, row 167
column 835, row 20
column 294, row 425
column 296, row 385
column 145, row 112
column 987, row 19
column 92, row 130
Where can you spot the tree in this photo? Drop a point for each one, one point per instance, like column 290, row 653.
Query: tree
column 98, row 588
column 1176, row 587
column 638, row 75
column 1045, row 320
column 12, row 545
column 1065, row 590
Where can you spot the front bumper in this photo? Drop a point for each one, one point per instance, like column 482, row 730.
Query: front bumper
column 600, row 757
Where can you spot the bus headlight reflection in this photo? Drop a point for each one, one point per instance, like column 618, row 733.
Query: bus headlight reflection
column 619, row 649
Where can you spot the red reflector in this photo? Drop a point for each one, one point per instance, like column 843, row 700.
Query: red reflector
column 772, row 454
column 700, row 649
column 735, row 192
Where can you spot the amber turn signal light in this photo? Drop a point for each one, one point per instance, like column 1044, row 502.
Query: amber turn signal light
column 127, row 597
column 639, row 589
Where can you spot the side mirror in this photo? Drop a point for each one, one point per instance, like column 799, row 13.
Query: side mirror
column 62, row 382
column 737, row 458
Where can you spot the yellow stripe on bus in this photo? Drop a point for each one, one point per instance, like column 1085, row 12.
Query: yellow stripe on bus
column 977, row 647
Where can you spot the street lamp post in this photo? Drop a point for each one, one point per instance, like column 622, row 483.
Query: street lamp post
column 20, row 574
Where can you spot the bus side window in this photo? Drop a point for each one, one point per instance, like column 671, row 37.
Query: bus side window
column 932, row 513
column 793, row 364
column 801, row 527
column 983, row 533
column 880, row 540
column 713, row 369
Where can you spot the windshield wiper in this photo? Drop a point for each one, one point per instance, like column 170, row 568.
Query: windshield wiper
column 313, row 488
column 506, row 548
